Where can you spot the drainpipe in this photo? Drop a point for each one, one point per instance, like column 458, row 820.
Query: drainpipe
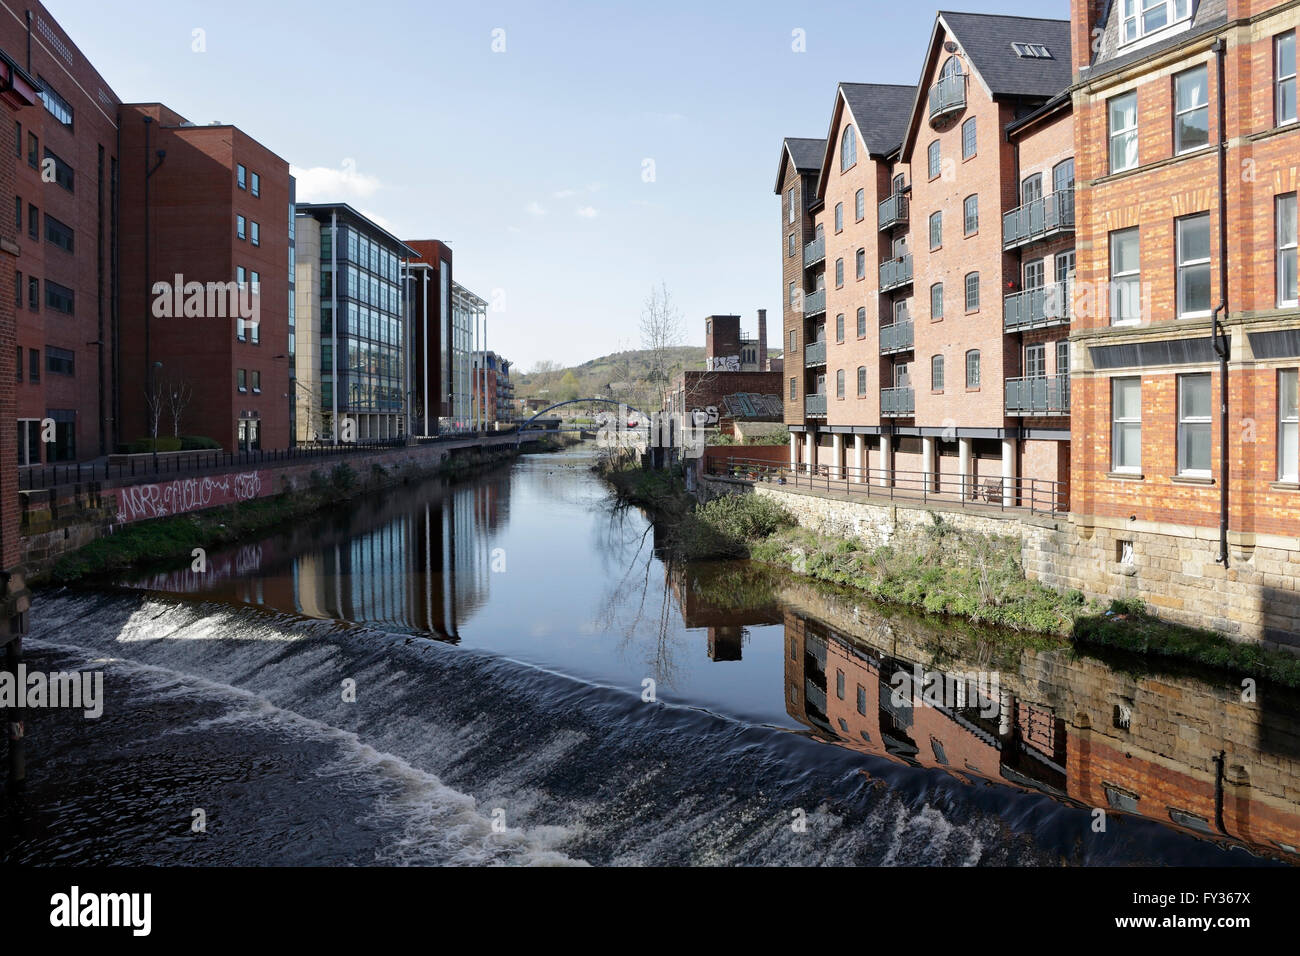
column 1221, row 344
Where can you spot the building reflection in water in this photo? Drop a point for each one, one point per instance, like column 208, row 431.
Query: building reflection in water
column 418, row 560
column 1177, row 750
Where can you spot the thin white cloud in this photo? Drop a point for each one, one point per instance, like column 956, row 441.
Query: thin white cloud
column 565, row 193
column 536, row 209
column 334, row 184
column 587, row 212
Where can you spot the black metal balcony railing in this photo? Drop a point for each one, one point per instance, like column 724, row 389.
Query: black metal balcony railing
column 814, row 303
column 895, row 273
column 814, row 354
column 893, row 211
column 896, row 337
column 948, row 95
column 1039, row 395
column 1039, row 308
column 815, row 406
column 1042, row 218
column 814, row 252
column 897, row 402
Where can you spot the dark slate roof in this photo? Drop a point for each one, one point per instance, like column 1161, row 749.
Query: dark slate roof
column 1208, row 17
column 881, row 112
column 987, row 38
column 806, row 153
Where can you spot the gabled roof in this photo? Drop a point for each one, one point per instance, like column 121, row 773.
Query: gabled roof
column 1109, row 54
column 879, row 112
column 985, row 42
column 806, row 154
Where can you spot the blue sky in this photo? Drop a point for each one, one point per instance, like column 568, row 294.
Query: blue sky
column 529, row 161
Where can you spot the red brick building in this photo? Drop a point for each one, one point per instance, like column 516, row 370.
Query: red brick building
column 430, row 292
column 1187, row 348
column 218, row 209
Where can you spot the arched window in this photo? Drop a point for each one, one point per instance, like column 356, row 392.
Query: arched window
column 848, row 149
column 839, row 383
column 862, row 381
column 973, row 368
column 951, row 67
column 936, row 373
column 862, row 263
column 862, row 323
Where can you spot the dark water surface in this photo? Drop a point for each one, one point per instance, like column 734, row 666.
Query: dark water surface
column 502, row 636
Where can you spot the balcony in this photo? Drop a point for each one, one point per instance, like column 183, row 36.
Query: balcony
column 893, row 212
column 896, row 337
column 895, row 273
column 814, row 252
column 814, row 406
column 1040, row 395
column 814, row 354
column 1039, row 308
column 1044, row 218
column 947, row 96
column 897, row 403
column 814, row 303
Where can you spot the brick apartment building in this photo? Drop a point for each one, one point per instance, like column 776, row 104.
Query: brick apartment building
column 65, row 163
column 1189, row 166
column 218, row 212
column 492, row 386
column 916, row 264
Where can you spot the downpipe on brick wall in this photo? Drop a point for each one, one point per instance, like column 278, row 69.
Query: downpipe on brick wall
column 1221, row 344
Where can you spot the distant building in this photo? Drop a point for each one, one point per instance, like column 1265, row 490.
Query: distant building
column 736, row 384
column 492, row 386
column 728, row 350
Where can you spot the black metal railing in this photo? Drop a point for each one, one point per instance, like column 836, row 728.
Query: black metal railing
column 1033, row 495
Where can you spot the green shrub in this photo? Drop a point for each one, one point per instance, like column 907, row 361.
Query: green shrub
column 343, row 478
column 199, row 443
column 143, row 446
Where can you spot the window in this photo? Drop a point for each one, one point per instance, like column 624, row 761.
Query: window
column 1194, row 425
column 18, row 213
column 862, row 381
column 255, row 233
column 1063, row 357
column 257, row 382
column 241, row 227
column 902, row 376
column 58, row 297
column 839, row 327
column 59, row 361
column 936, row 229
column 18, row 290
column 900, row 311
column 1126, row 424
column 971, row 215
column 1063, row 176
column 1036, row 361
column 839, row 273
column 241, row 176
column 241, row 379
column 839, row 383
column 972, row 292
column 1288, row 425
column 33, row 293
column 936, row 301
column 1284, row 109
column 793, row 295
column 33, row 151
column 1191, row 109
column 18, row 139
column 33, row 222
column 848, row 149
column 62, row 171
column 240, row 275
column 1031, row 189
column 1125, row 278
column 790, row 246
column 58, row 233
column 793, row 340
column 1194, row 266
column 19, row 364
column 839, row 217
column 1286, row 251
column 1147, row 16
column 792, row 390
column 968, row 138
column 934, row 160
column 862, row 323
column 861, row 259
column 1122, row 111
column 257, row 191
column 56, row 105
column 973, row 368
column 936, row 373
column 862, row 700
column 860, row 204
column 34, row 365
column 1032, row 51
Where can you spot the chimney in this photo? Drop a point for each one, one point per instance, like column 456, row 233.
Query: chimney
column 1086, row 19
column 762, row 340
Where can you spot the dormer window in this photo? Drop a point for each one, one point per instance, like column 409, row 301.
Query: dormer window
column 1144, row 17
column 848, row 149
column 1032, row 51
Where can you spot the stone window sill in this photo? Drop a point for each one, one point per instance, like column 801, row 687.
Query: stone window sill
column 1126, row 476
column 1284, row 486
column 1190, row 480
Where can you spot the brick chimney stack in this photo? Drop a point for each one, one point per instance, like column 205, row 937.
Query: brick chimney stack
column 762, row 340
column 1085, row 16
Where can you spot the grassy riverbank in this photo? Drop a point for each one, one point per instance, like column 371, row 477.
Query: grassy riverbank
column 941, row 570
column 168, row 541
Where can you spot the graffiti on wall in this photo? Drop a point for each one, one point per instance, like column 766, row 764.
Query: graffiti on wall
column 141, row 502
column 722, row 363
column 753, row 405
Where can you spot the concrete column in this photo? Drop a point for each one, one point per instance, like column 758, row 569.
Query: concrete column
column 794, row 450
column 964, row 446
column 927, row 462
column 859, row 458
column 837, row 456
column 886, row 460
column 810, row 452
column 1009, row 471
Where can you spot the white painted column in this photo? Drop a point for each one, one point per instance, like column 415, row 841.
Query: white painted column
column 809, row 453
column 794, row 451
column 964, row 446
column 837, row 456
column 1009, row 471
column 886, row 460
column 860, row 458
column 927, row 463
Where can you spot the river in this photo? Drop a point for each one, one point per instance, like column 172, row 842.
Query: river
column 503, row 670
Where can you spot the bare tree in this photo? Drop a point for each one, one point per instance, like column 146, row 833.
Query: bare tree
column 662, row 330
column 179, row 393
column 155, row 400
